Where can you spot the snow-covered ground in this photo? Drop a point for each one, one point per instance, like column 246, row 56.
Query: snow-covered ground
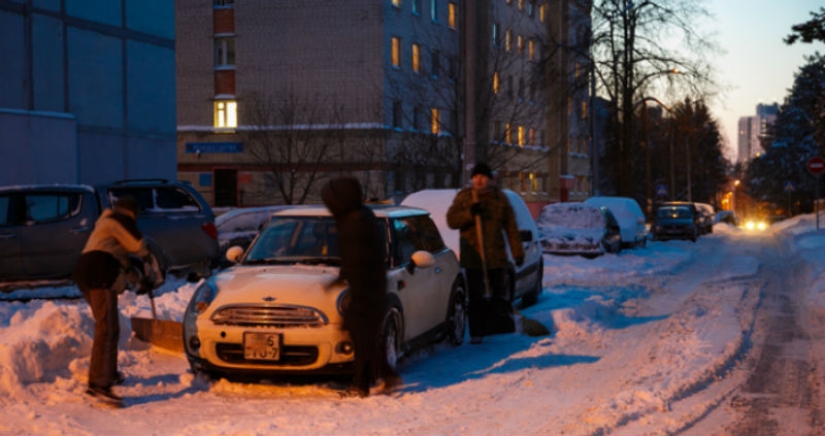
column 643, row 342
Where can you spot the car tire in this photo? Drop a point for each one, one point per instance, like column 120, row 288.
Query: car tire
column 456, row 323
column 391, row 331
column 532, row 297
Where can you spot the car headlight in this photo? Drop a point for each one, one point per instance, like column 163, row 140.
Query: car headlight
column 343, row 302
column 202, row 297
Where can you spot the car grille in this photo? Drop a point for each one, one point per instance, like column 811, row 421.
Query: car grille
column 290, row 355
column 280, row 316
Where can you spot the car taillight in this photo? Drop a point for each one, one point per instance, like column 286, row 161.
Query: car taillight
column 210, row 229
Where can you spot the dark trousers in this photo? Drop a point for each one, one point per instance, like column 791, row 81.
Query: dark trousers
column 107, row 331
column 488, row 314
column 370, row 357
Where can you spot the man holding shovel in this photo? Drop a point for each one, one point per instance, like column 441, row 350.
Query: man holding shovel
column 101, row 275
column 483, row 215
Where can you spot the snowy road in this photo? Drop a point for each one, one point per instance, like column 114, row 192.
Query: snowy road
column 720, row 336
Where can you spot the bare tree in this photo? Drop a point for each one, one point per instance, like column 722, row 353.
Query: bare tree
column 292, row 140
column 632, row 58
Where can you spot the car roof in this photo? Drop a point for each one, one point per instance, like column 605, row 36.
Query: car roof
column 380, row 210
column 53, row 187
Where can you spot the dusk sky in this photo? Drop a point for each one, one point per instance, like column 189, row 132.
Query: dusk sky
column 758, row 67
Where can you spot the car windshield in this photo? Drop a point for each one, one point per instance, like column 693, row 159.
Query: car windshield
column 674, row 212
column 296, row 239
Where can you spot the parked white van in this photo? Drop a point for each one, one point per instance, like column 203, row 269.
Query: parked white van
column 629, row 215
column 526, row 279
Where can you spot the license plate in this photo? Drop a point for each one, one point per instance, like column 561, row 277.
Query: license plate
column 261, row 346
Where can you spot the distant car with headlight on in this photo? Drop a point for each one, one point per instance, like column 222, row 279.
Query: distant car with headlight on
column 279, row 309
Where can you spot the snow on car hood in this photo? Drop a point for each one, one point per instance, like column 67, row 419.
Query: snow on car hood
column 301, row 285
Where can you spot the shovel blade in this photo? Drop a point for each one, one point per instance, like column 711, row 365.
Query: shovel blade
column 161, row 333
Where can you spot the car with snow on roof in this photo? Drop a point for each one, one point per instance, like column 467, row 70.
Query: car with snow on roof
column 279, row 309
column 578, row 229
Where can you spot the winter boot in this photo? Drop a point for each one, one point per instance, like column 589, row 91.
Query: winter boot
column 105, row 395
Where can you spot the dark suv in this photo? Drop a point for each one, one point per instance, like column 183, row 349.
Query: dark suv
column 43, row 228
column 676, row 220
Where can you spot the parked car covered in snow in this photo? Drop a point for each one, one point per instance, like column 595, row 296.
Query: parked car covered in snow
column 279, row 311
column 525, row 280
column 707, row 216
column 578, row 229
column 628, row 214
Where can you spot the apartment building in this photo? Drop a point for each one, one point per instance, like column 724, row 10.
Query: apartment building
column 275, row 97
column 79, row 99
column 753, row 130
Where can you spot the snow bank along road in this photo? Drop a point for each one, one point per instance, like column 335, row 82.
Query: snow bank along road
column 666, row 339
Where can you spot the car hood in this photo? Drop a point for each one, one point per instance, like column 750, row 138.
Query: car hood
column 300, row 285
column 566, row 236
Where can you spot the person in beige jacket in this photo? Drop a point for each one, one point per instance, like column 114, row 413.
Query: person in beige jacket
column 101, row 275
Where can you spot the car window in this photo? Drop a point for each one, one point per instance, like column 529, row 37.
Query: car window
column 675, row 212
column 52, row 207
column 290, row 237
column 143, row 196
column 5, row 210
column 416, row 233
column 173, row 198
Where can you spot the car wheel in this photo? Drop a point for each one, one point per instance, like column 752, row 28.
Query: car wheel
column 532, row 297
column 391, row 336
column 456, row 323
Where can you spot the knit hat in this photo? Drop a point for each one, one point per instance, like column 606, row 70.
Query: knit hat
column 482, row 168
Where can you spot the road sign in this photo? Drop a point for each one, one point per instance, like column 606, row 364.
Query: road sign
column 789, row 186
column 661, row 190
column 816, row 165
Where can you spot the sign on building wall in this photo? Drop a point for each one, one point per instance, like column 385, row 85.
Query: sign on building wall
column 214, row 147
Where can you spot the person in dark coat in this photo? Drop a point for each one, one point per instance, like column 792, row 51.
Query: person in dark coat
column 100, row 274
column 363, row 267
column 489, row 310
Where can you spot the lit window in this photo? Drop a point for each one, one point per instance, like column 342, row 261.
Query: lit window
column 416, row 58
column 521, row 5
column 224, row 52
column 508, row 134
column 584, row 109
column 531, row 49
column 396, row 3
column 534, row 182
column 508, row 40
column 434, row 10
column 396, row 52
column 226, row 114
column 522, row 136
column 509, row 2
column 452, row 12
column 435, row 126
column 520, row 41
column 496, row 83
column 542, row 11
column 531, row 136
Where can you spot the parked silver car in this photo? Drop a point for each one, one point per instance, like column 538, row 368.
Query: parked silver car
column 43, row 228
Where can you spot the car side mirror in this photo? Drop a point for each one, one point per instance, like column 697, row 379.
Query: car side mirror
column 234, row 254
column 526, row 236
column 420, row 259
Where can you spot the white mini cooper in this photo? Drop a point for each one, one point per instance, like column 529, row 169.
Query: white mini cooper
column 277, row 310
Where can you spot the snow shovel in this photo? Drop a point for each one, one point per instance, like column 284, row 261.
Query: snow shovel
column 162, row 333
column 529, row 327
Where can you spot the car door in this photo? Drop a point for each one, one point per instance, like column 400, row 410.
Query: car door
column 58, row 223
column 11, row 260
column 420, row 290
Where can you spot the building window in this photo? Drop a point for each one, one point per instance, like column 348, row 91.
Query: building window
column 521, row 89
column 434, row 10
column 497, row 131
column 435, row 126
column 496, row 83
column 508, row 134
column 397, row 114
column 521, row 5
column 531, row 49
column 416, row 58
column 510, row 86
column 542, row 139
column 416, row 118
column 495, row 35
column 416, row 7
column 226, row 114
column 435, row 61
column 224, row 52
column 453, row 63
column 219, row 4
column 584, row 109
column 534, row 182
column 542, row 12
column 508, row 40
column 522, row 136
column 520, row 41
column 452, row 15
column 396, row 3
column 531, row 8
column 531, row 136
column 396, row 52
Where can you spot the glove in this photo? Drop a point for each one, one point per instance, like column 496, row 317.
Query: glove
column 519, row 260
column 475, row 209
